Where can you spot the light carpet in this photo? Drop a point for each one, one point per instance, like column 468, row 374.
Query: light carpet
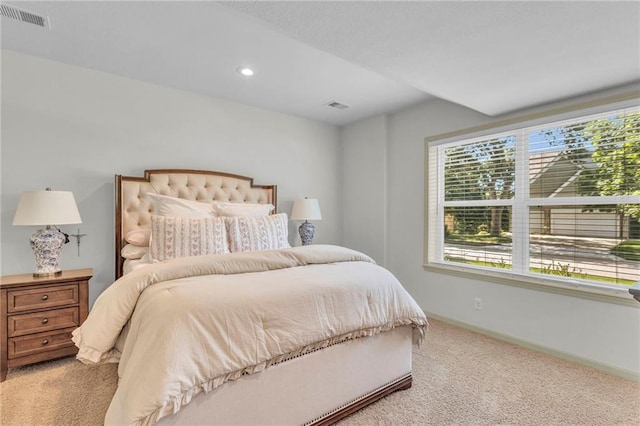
column 459, row 378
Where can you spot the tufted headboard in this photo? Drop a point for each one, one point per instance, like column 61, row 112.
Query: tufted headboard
column 134, row 209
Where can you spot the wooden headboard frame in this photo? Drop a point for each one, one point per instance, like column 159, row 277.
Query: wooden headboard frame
column 134, row 209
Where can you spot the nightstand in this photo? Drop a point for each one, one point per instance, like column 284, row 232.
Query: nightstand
column 38, row 314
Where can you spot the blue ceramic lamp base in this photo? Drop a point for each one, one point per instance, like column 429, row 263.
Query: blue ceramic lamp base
column 306, row 233
column 46, row 245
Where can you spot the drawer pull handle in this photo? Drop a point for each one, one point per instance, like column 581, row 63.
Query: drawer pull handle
column 45, row 342
column 45, row 297
column 45, row 320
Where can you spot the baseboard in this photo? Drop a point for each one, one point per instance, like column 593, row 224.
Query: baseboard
column 620, row 372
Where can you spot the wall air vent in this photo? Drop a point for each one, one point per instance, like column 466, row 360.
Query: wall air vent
column 337, row 105
column 24, row 16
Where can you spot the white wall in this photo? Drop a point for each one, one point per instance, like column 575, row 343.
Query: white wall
column 603, row 333
column 71, row 128
column 364, row 186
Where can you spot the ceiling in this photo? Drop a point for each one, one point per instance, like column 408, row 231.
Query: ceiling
column 376, row 57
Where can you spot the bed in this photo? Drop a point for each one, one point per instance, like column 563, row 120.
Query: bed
column 242, row 328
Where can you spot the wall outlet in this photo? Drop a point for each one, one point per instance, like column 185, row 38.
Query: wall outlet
column 477, row 303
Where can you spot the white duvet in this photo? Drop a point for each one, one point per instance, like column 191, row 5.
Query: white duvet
column 188, row 325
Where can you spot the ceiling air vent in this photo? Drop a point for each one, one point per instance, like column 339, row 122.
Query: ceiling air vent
column 24, row 16
column 337, row 105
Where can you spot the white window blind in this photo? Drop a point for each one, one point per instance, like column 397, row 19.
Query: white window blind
column 558, row 200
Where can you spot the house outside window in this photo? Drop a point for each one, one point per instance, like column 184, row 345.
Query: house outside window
column 555, row 202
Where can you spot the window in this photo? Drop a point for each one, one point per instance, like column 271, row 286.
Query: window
column 557, row 202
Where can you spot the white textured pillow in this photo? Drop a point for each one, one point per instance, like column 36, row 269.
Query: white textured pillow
column 138, row 237
column 223, row 208
column 173, row 237
column 258, row 233
column 178, row 207
column 131, row 251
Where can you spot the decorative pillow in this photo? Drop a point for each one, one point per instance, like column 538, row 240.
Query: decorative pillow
column 258, row 233
column 223, row 208
column 173, row 237
column 131, row 251
column 178, row 207
column 138, row 237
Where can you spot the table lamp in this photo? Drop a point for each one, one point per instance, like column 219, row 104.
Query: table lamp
column 307, row 209
column 48, row 208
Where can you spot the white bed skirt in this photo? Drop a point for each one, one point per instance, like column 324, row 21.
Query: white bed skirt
column 305, row 389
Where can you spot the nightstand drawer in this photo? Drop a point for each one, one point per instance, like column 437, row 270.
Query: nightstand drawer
column 38, row 322
column 41, row 342
column 42, row 298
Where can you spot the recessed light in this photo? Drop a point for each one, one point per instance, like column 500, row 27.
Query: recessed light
column 247, row 72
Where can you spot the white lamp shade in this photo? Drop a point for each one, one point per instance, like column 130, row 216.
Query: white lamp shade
column 307, row 209
column 47, row 208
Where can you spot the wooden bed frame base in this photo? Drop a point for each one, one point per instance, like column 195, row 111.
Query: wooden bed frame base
column 401, row 384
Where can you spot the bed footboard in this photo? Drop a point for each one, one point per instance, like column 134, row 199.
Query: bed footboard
column 318, row 388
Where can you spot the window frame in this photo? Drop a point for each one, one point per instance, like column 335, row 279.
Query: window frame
column 433, row 253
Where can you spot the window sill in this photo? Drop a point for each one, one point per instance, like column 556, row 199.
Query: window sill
column 619, row 296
